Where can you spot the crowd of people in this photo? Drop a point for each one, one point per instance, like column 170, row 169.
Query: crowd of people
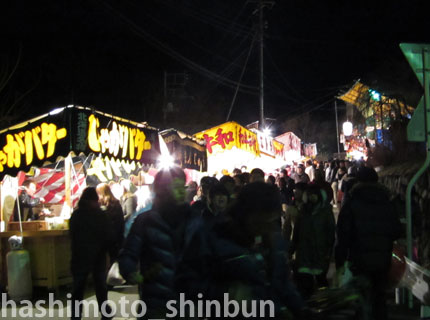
column 251, row 235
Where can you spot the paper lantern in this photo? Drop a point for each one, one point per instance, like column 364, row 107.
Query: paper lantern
column 347, row 128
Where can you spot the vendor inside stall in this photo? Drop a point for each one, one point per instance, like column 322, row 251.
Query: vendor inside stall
column 27, row 202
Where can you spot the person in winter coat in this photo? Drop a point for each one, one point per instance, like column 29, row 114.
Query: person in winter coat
column 286, row 187
column 348, row 182
column 155, row 243
column 368, row 225
column 244, row 256
column 200, row 205
column 300, row 175
column 313, row 241
column 128, row 199
column 112, row 208
column 89, row 235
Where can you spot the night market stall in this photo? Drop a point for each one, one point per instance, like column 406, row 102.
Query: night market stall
column 379, row 112
column 231, row 146
column 44, row 150
column 186, row 151
column 273, row 153
column 292, row 146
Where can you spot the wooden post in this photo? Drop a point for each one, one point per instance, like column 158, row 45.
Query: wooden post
column 67, row 176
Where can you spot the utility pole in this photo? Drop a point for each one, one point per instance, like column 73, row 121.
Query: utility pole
column 174, row 89
column 261, row 24
column 337, row 128
column 261, row 5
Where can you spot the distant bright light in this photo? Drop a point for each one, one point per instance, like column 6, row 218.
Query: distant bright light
column 56, row 111
column 267, row 131
column 375, row 95
column 165, row 161
column 347, row 128
column 117, row 190
column 357, row 155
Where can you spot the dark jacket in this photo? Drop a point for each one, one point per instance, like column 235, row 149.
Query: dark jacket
column 300, row 178
column 218, row 264
column 367, row 226
column 347, row 184
column 155, row 243
column 313, row 239
column 89, row 234
column 331, row 176
column 287, row 192
column 26, row 204
column 116, row 224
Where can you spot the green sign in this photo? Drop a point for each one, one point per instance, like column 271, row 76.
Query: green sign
column 418, row 56
column 416, row 127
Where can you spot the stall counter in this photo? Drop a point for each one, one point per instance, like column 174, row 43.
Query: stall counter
column 50, row 256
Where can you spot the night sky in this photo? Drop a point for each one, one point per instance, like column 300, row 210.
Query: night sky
column 112, row 55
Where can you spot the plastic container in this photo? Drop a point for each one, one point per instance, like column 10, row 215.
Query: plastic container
column 19, row 275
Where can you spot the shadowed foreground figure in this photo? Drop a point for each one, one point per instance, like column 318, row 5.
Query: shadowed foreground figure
column 112, row 209
column 367, row 226
column 155, row 243
column 90, row 240
column 313, row 240
column 243, row 256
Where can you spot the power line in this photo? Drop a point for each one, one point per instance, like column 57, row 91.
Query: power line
column 157, row 21
column 174, row 54
column 282, row 75
column 210, row 18
column 313, row 108
column 240, row 78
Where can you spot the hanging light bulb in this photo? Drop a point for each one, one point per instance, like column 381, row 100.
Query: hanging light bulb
column 347, row 128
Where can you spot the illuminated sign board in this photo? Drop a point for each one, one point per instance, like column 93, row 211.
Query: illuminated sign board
column 270, row 146
column 107, row 168
column 119, row 141
column 80, row 130
column 114, row 137
column 187, row 152
column 229, row 135
column 23, row 148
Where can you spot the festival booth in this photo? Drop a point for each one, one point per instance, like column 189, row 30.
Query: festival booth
column 272, row 153
column 379, row 112
column 229, row 146
column 292, row 147
column 186, row 151
column 310, row 150
column 44, row 149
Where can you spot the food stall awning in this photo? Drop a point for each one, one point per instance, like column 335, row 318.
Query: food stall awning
column 187, row 151
column 117, row 144
column 229, row 135
column 356, row 95
column 369, row 102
